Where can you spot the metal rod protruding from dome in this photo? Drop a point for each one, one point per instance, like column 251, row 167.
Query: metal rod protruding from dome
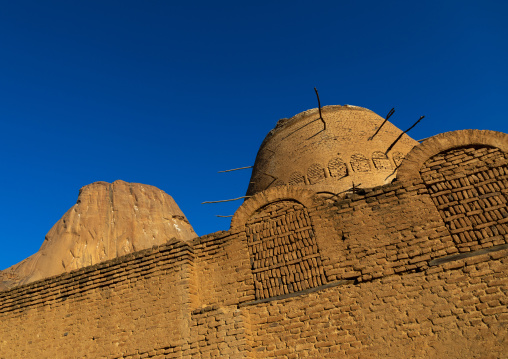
column 227, row 200
column 298, row 129
column 386, row 119
column 319, row 106
column 355, row 188
column 400, row 136
column 235, row 169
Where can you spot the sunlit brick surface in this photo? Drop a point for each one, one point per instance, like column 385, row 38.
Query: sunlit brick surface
column 469, row 186
column 284, row 253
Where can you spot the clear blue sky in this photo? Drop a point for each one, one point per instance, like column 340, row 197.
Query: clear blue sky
column 168, row 93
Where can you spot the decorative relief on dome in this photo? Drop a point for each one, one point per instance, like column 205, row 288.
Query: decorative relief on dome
column 337, row 168
column 315, row 173
column 381, row 161
column 283, row 250
column 360, row 163
column 296, row 179
column 397, row 158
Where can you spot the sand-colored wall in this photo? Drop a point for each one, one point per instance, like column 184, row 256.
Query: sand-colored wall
column 382, row 272
column 102, row 311
column 456, row 311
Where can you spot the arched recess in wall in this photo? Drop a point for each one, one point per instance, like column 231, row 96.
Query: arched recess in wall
column 466, row 176
column 283, row 250
column 281, row 240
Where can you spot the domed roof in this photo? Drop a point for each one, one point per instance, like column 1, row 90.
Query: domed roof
column 300, row 151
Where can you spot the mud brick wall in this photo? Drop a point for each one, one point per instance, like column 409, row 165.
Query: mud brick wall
column 223, row 270
column 468, row 186
column 220, row 333
column 187, row 300
column 110, row 310
column 383, row 231
column 393, row 271
column 456, row 310
column 459, row 205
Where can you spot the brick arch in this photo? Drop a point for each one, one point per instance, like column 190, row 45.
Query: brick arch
column 409, row 169
column 468, row 187
column 466, row 175
column 301, row 195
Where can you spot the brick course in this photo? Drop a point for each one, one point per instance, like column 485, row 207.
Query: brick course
column 379, row 272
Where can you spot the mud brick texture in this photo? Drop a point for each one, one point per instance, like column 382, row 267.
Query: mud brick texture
column 467, row 185
column 412, row 269
column 283, row 250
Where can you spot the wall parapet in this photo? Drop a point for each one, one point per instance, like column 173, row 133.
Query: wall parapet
column 145, row 263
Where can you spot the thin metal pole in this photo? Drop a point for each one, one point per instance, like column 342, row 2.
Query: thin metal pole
column 226, row 200
column 235, row 169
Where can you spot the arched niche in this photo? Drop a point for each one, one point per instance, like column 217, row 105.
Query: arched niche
column 282, row 241
column 466, row 176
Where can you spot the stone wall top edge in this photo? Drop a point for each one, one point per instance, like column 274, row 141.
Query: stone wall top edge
column 96, row 269
column 302, row 195
column 215, row 238
column 113, row 264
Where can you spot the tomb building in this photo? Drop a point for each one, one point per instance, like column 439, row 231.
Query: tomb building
column 351, row 244
column 331, row 153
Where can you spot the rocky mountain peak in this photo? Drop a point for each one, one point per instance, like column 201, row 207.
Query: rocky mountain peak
column 108, row 220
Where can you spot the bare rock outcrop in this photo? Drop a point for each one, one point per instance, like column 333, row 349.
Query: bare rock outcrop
column 108, row 220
